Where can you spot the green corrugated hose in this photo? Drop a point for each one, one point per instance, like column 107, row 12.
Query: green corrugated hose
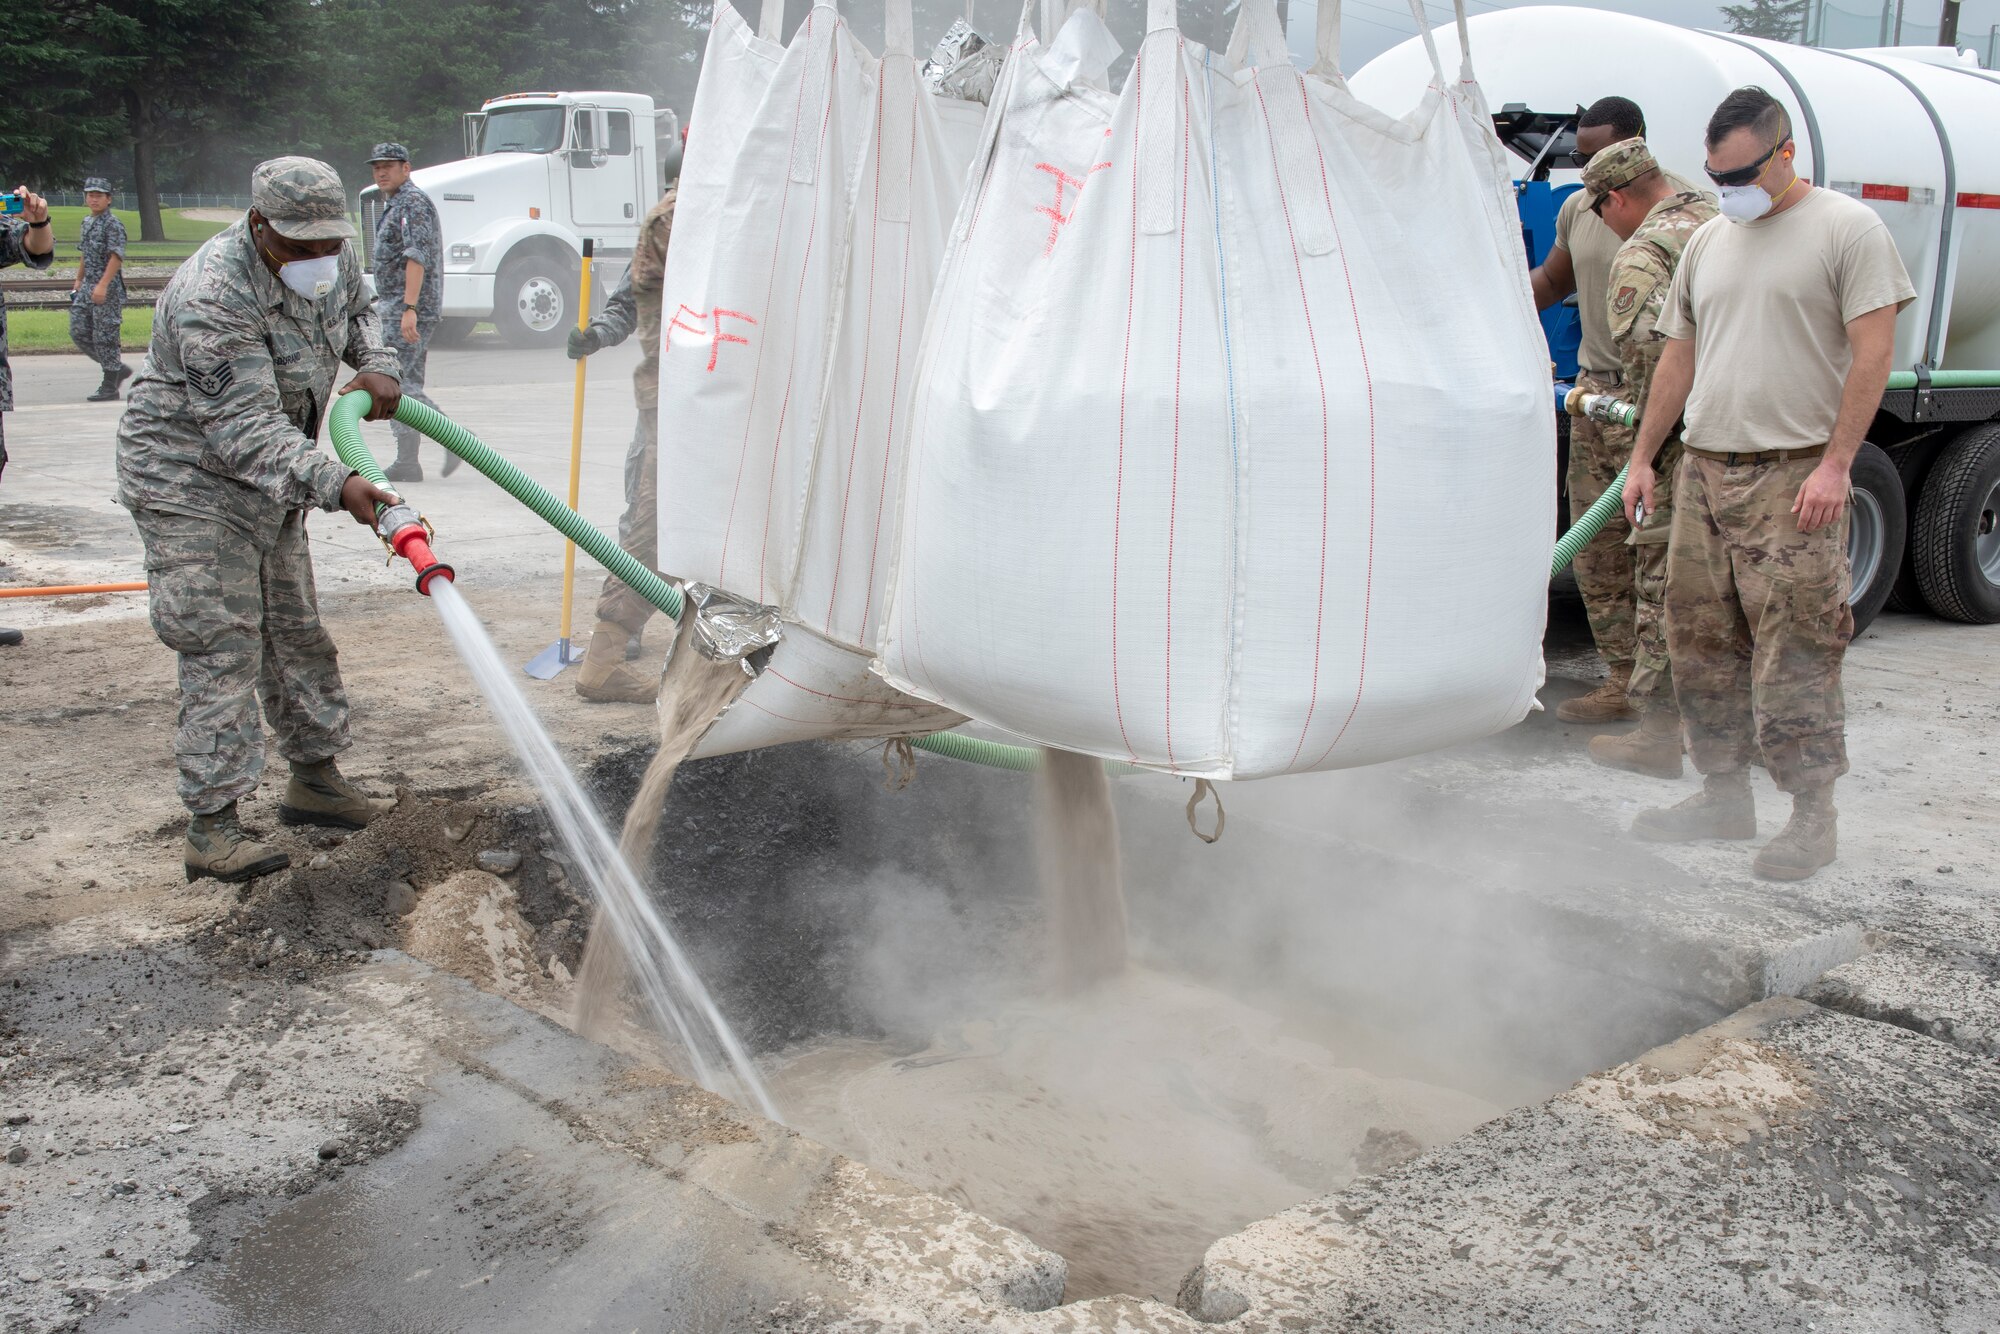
column 998, row 754
column 1585, row 528
column 344, row 426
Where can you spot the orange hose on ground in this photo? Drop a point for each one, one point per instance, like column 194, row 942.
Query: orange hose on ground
column 59, row 590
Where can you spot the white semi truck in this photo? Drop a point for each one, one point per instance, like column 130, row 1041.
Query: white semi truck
column 542, row 173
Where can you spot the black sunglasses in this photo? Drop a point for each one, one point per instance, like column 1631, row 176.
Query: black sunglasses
column 1742, row 175
column 1579, row 159
column 1597, row 205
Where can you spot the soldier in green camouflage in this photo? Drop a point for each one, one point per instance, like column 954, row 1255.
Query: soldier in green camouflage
column 97, row 297
column 1780, row 329
column 218, row 462
column 1628, row 192
column 621, row 613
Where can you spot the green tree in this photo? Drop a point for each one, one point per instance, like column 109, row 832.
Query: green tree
column 51, row 125
column 167, row 67
column 1780, row 20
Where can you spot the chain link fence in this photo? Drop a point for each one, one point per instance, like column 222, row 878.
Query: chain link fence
column 125, row 199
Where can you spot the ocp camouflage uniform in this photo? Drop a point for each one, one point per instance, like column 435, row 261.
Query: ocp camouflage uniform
column 218, row 462
column 409, row 231
column 636, row 304
column 1640, row 276
column 95, row 328
column 13, row 235
column 1597, row 450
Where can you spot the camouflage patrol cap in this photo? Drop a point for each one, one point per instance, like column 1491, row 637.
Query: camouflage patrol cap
column 389, row 153
column 1615, row 167
column 96, row 185
column 302, row 198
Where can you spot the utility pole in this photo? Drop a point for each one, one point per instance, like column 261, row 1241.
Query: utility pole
column 1948, row 25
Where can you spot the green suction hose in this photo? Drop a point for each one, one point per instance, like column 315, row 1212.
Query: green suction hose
column 998, row 754
column 1593, row 520
column 344, row 426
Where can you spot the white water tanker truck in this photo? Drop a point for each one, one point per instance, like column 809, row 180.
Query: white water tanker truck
column 541, row 173
column 1913, row 140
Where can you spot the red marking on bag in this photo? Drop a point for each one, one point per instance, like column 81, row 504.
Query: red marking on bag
column 1894, row 194
column 1971, row 200
column 1057, row 218
column 715, row 336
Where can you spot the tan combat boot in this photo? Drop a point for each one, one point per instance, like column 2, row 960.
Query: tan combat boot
column 318, row 794
column 1808, row 840
column 217, row 846
column 606, row 677
column 1654, row 748
column 1722, row 809
column 1606, row 704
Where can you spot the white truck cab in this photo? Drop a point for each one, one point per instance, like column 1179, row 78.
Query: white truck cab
column 542, row 173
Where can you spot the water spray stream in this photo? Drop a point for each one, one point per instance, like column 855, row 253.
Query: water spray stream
column 672, row 991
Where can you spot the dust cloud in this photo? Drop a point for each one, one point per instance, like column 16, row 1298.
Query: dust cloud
column 1076, row 837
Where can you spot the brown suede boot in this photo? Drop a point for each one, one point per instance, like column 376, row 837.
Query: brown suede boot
column 1606, row 704
column 1653, row 748
column 319, row 794
column 217, row 846
column 1808, row 841
column 606, row 677
column 1722, row 809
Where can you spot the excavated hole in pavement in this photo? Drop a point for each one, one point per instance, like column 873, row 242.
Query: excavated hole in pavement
column 1297, row 1012
column 1300, row 1010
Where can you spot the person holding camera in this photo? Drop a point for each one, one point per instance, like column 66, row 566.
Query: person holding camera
column 25, row 238
column 97, row 297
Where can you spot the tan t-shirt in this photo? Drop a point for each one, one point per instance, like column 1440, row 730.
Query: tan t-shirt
column 1592, row 245
column 1767, row 304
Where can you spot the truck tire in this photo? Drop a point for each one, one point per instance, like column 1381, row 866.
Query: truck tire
column 1913, row 464
column 1876, row 527
column 531, row 300
column 1956, row 547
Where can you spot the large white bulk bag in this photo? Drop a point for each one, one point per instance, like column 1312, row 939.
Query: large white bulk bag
column 811, row 221
column 1234, row 451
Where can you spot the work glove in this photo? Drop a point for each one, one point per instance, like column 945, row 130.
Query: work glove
column 583, row 342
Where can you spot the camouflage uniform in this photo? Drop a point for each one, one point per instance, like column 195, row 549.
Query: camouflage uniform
column 13, row 250
column 1757, row 623
column 217, row 461
column 1637, row 292
column 636, row 304
column 408, row 232
column 95, row 328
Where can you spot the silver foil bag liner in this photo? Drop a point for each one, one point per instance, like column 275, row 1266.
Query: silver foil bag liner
column 963, row 64
column 731, row 629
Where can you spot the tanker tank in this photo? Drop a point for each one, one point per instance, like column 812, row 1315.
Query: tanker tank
column 1911, row 139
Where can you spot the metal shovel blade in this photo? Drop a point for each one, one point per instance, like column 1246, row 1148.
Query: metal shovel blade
column 548, row 664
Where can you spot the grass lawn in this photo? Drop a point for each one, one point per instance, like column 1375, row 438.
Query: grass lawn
column 42, row 330
column 183, row 234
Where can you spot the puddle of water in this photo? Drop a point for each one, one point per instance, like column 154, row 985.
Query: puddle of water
column 673, row 993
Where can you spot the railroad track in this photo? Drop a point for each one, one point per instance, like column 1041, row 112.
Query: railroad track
column 138, row 282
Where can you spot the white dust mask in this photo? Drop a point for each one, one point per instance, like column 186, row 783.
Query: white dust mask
column 1744, row 203
column 310, row 278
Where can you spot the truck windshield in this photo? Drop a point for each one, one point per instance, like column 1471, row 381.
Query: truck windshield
column 521, row 130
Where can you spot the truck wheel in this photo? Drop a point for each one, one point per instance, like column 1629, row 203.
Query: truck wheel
column 1957, row 544
column 1913, row 464
column 531, row 300
column 1876, row 524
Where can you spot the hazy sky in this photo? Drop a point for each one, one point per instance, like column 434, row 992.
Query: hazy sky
column 1370, row 27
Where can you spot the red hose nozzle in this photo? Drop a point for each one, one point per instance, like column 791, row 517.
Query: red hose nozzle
column 408, row 535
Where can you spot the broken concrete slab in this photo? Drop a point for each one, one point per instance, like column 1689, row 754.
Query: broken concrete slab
column 1788, row 1169
column 552, row 1183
